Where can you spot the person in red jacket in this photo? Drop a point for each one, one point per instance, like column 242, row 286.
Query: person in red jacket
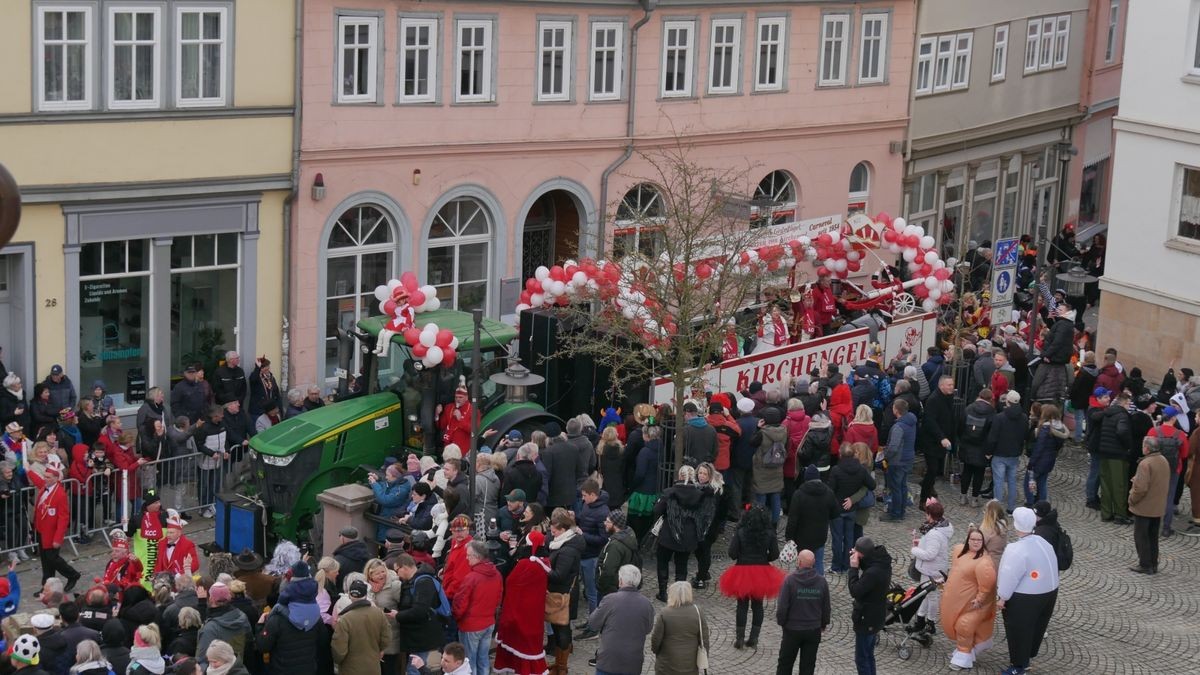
column 51, row 517
column 177, row 553
column 841, row 411
column 825, row 304
column 474, row 606
column 727, row 429
column 862, row 429
column 456, row 567
column 796, row 422
column 455, row 421
column 123, row 568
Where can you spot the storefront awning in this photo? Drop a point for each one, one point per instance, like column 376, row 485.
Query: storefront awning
column 1097, row 140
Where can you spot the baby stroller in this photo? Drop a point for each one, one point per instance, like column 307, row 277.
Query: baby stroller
column 902, row 607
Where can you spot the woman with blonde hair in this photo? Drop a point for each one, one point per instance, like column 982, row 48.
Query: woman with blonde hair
column 969, row 600
column 611, row 453
column 995, row 530
column 146, row 654
column 327, row 588
column 862, row 430
column 678, row 630
column 686, row 515
column 89, row 660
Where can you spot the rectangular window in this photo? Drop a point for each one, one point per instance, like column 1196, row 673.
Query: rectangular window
column 200, row 57
column 772, row 41
column 924, row 78
column 1196, row 58
column 1000, row 54
column 834, row 52
column 873, row 50
column 554, row 60
column 941, row 65
column 962, row 61
column 1062, row 40
column 1032, row 39
column 134, row 57
column 418, row 60
column 726, row 58
column 1114, row 18
column 474, row 61
column 1046, row 47
column 65, row 45
column 1189, row 204
column 606, row 61
column 358, row 62
column 678, row 48
column 114, row 312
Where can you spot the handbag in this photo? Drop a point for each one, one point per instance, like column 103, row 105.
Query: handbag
column 913, row 572
column 787, row 555
column 701, row 651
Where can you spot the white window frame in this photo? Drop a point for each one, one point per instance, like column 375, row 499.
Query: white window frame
column 1114, row 20
column 860, row 195
column 1000, row 54
column 836, row 71
column 1046, row 46
column 615, row 52
column 1179, row 205
column 943, row 63
column 88, row 57
column 372, row 48
column 1194, row 68
column 688, row 53
column 403, row 48
column 485, row 95
column 880, row 42
column 924, row 65
column 561, row 54
column 156, row 76
column 776, row 50
column 734, row 53
column 1033, row 35
column 963, row 43
column 1062, row 40
column 223, row 68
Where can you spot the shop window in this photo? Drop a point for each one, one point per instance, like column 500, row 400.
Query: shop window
column 114, row 315
column 460, row 240
column 360, row 255
column 204, row 299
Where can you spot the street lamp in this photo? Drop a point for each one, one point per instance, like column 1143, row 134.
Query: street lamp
column 1075, row 281
column 516, row 379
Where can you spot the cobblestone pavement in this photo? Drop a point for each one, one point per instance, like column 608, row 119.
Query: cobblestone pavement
column 1108, row 620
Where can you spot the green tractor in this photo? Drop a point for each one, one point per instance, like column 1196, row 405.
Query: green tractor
column 391, row 413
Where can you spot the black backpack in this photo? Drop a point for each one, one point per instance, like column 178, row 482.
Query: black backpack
column 1169, row 447
column 975, row 428
column 1063, row 549
column 775, row 455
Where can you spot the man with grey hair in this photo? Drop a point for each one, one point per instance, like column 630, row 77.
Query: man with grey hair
column 1149, row 491
column 522, row 474
column 312, row 399
column 230, row 380
column 623, row 619
column 584, row 448
column 295, row 403
column 151, row 410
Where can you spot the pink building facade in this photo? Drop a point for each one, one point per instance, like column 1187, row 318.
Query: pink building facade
column 471, row 143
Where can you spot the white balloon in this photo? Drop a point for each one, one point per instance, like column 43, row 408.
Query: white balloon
column 930, row 257
column 911, row 229
column 898, row 224
column 894, row 247
column 542, row 273
column 537, row 299
column 432, row 304
column 931, row 282
column 392, row 283
column 570, row 263
column 520, row 308
column 935, row 294
column 920, row 230
column 910, row 255
column 454, row 343
column 929, row 305
column 650, row 325
column 383, row 307
column 947, row 286
column 835, row 236
column 382, row 292
column 805, row 241
column 627, row 312
column 428, row 339
column 558, row 287
column 593, row 285
column 810, row 252
column 752, row 254
column 434, row 354
column 853, row 255
column 830, row 264
column 579, row 278
column 429, row 291
column 927, row 242
column 840, row 265
column 939, row 264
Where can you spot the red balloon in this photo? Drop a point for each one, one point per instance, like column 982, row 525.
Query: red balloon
column 941, row 274
column 842, row 274
column 412, row 336
column 889, row 235
column 773, row 265
column 853, row 265
column 389, row 307
column 612, row 272
column 920, row 291
column 945, row 299
column 557, row 273
column 444, row 337
column 925, row 269
column 409, row 280
column 533, row 285
column 884, row 218
column 825, row 239
column 526, row 298
column 448, row 356
column 419, row 350
column 562, row 301
column 703, row 271
column 822, row 271
column 571, row 270
column 416, row 299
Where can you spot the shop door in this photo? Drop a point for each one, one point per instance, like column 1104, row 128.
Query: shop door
column 15, row 328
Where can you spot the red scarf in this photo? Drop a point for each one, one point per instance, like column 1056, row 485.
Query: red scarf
column 780, row 330
column 729, row 349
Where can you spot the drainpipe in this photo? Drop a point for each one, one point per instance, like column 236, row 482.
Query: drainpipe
column 647, row 7
column 297, row 118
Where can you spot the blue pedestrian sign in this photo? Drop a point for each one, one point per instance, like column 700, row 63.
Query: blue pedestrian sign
column 1006, row 252
column 1003, row 282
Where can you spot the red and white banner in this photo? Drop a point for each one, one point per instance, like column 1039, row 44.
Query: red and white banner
column 778, row 367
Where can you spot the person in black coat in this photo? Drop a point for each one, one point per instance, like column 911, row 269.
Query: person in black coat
column 566, row 553
column 812, row 509
column 973, row 444
column 43, row 414
column 352, row 554
column 420, row 628
column 937, row 434
column 564, row 465
column 686, row 515
column 612, row 466
column 868, row 581
column 522, row 474
column 846, row 478
column 238, row 430
column 137, row 609
column 263, row 388
column 13, row 406
column 229, row 380
column 112, row 645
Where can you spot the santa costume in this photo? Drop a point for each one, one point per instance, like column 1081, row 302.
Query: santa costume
column 455, row 422
column 520, row 634
column 178, row 556
column 123, row 569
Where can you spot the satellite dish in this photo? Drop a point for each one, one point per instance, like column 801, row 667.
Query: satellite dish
column 10, row 206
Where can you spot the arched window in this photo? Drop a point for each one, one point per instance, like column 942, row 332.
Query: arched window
column 639, row 222
column 860, row 187
column 777, row 195
column 360, row 255
column 460, row 240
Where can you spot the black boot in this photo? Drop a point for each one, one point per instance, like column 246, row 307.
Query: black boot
column 752, row 641
column 916, row 626
column 741, row 633
column 662, row 589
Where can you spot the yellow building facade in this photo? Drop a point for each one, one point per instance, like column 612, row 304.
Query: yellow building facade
column 153, row 143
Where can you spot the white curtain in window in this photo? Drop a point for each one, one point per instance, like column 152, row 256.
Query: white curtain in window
column 1189, row 209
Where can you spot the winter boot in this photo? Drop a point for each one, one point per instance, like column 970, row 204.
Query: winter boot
column 741, row 634
column 962, row 499
column 916, row 626
column 662, row 589
column 752, row 641
column 562, row 658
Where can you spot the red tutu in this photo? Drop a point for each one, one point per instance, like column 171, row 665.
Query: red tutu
column 752, row 581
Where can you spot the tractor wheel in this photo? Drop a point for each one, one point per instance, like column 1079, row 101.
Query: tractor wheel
column 905, row 304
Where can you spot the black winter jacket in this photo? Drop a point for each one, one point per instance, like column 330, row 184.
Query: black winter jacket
column 813, row 506
column 563, row 462
column 746, row 551
column 849, row 476
column 1082, row 387
column 352, row 556
column 9, row 402
column 293, row 651
column 420, row 627
column 591, row 523
column 869, row 584
column 1116, row 436
column 1009, row 428
column 938, row 421
column 1059, row 345
column 687, row 512
column 564, row 564
column 523, row 475
column 973, row 445
column 612, row 469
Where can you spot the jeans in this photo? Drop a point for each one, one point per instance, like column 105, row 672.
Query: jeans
column 1040, row 484
column 776, row 506
column 1169, row 515
column 587, row 567
column 477, row 645
column 1092, row 488
column 864, row 652
column 737, row 482
column 209, row 479
column 802, row 642
column 1004, row 476
column 897, row 485
column 842, row 532
column 1080, row 420
column 819, row 565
